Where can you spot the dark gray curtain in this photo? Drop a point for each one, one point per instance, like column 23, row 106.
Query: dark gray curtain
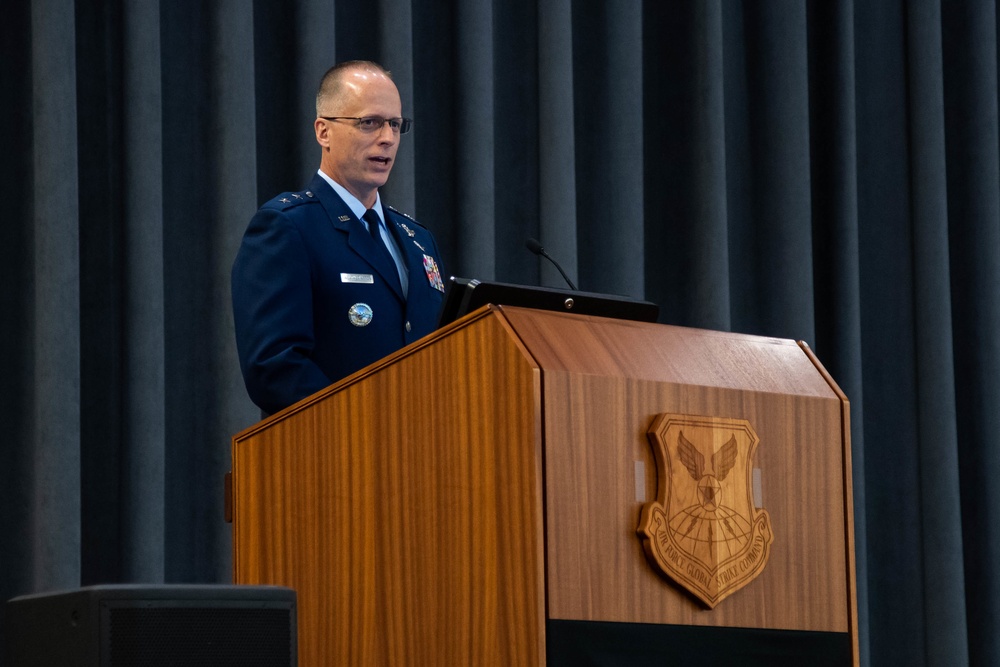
column 826, row 171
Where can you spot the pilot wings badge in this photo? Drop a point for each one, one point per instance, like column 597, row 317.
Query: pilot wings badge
column 703, row 530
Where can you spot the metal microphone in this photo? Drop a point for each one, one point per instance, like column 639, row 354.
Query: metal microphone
column 536, row 247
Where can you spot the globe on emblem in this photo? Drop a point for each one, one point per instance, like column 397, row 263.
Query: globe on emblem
column 711, row 535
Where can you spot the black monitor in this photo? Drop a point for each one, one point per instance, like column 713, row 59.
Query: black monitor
column 464, row 295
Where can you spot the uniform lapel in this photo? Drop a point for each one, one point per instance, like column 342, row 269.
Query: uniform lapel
column 358, row 238
column 403, row 242
column 413, row 255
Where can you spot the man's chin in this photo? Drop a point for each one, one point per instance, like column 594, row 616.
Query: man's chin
column 379, row 179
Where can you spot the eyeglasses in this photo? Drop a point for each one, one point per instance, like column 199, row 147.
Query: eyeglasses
column 370, row 124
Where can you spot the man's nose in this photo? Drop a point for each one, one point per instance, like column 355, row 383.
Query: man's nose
column 385, row 133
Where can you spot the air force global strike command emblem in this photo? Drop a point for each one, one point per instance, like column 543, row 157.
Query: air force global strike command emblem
column 703, row 530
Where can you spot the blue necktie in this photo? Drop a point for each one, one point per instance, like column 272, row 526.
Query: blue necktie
column 375, row 229
column 374, row 226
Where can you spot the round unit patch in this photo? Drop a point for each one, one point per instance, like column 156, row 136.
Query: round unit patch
column 360, row 314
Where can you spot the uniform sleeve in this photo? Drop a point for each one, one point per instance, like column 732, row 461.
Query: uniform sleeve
column 273, row 313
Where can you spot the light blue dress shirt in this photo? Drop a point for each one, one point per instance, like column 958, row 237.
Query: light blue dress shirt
column 358, row 209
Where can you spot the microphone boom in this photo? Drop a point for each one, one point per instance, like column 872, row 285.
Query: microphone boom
column 534, row 246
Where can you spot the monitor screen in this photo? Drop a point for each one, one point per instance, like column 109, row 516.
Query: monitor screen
column 464, row 295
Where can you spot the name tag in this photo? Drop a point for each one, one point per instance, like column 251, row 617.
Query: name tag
column 363, row 278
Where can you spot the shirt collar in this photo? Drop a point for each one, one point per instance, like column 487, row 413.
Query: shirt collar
column 353, row 203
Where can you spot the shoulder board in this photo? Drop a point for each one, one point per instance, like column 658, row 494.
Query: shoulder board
column 405, row 215
column 288, row 200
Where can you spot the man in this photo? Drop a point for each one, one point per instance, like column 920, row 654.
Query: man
column 330, row 279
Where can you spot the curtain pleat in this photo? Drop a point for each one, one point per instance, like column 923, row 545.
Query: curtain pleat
column 824, row 171
column 475, row 175
column 396, row 54
column 17, row 443
column 835, row 238
column 53, row 539
column 940, row 506
column 888, row 330
column 142, row 442
column 972, row 138
column 608, row 101
column 314, row 44
column 557, row 212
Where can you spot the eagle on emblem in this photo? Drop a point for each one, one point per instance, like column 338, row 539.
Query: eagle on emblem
column 722, row 462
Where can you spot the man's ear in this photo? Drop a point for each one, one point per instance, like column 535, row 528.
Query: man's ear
column 322, row 132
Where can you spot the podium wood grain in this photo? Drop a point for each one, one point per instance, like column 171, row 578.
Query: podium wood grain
column 404, row 505
column 604, row 383
column 438, row 507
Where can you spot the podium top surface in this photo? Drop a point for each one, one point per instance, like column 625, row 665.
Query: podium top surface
column 665, row 353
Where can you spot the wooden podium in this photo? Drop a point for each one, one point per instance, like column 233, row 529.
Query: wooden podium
column 459, row 501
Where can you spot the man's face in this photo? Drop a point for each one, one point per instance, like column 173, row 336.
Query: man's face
column 358, row 160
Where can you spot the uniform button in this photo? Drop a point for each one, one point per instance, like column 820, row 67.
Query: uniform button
column 407, row 325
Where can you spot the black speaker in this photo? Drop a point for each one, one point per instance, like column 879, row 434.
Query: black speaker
column 153, row 626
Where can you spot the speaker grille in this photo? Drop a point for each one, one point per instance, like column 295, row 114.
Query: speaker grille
column 197, row 637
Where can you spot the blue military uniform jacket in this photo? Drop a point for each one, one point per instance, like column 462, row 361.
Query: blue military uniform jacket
column 306, row 276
